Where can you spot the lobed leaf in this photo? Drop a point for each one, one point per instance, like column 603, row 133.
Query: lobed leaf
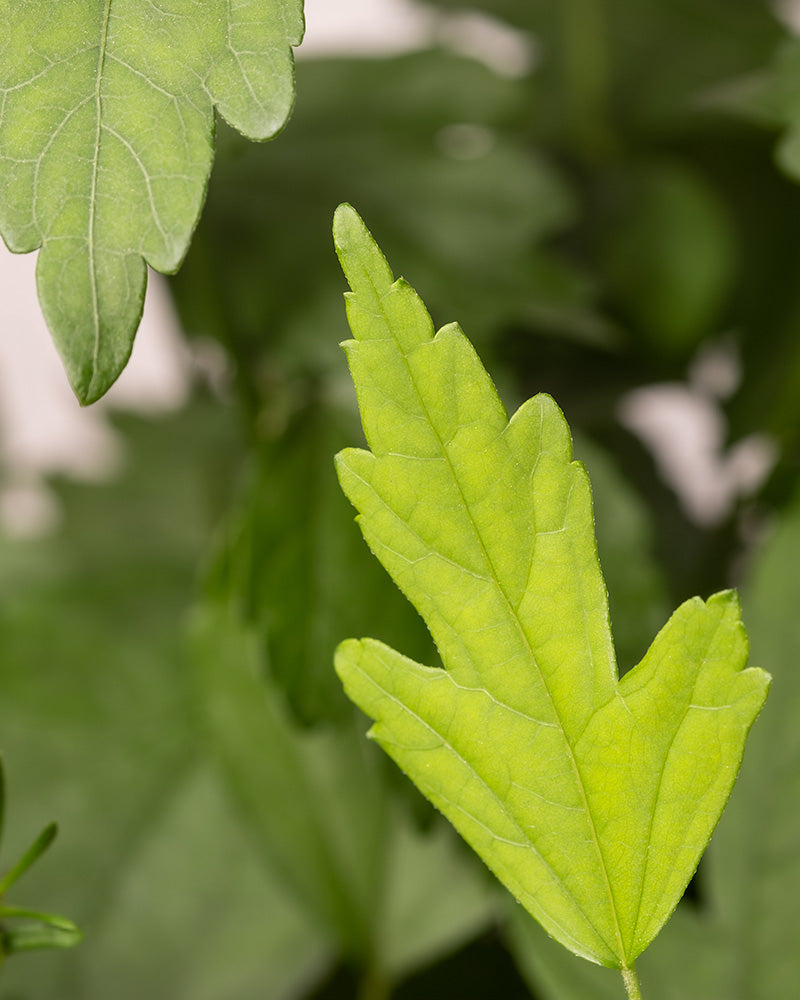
column 106, row 143
column 591, row 798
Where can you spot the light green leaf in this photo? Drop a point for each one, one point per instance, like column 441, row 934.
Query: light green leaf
column 39, row 930
column 106, row 142
column 741, row 942
column 592, row 799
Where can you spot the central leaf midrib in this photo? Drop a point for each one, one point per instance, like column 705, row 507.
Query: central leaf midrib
column 101, row 58
column 515, row 618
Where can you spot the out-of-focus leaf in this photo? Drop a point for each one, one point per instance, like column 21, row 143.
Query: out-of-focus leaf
column 293, row 564
column 635, row 67
column 636, row 587
column 320, row 809
column 431, row 132
column 96, row 731
column 770, row 98
column 293, row 808
column 106, row 142
column 551, row 971
column 434, row 899
column 37, row 931
column 669, row 256
column 754, row 869
column 198, row 873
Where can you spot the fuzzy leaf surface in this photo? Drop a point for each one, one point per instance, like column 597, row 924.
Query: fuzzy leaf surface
column 591, row 798
column 106, row 143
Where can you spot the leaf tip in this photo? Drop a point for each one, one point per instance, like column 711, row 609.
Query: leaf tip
column 362, row 261
column 89, row 380
column 726, row 598
column 346, row 652
column 345, row 219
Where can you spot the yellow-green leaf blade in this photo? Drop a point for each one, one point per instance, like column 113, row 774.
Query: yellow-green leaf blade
column 592, row 800
column 660, row 759
column 106, row 142
column 462, row 749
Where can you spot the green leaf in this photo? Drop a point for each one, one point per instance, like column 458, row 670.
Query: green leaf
column 592, row 799
column 291, row 561
column 740, row 943
column 383, row 894
column 265, row 763
column 196, row 914
column 151, row 860
column 481, row 244
column 684, row 961
column 41, row 930
column 106, row 142
column 669, row 255
column 754, row 868
column 34, row 852
column 635, row 580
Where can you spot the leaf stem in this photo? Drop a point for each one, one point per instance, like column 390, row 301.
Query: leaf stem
column 631, row 981
column 586, row 68
column 373, row 986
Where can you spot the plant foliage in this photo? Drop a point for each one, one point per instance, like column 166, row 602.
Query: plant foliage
column 592, row 799
column 622, row 215
column 106, row 143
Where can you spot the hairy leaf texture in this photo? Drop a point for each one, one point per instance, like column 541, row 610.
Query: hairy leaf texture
column 591, row 798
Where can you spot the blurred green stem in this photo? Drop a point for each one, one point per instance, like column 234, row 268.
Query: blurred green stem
column 587, row 76
column 631, row 981
column 373, row 986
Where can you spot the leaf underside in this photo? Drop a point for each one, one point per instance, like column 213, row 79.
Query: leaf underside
column 591, row 798
column 106, row 143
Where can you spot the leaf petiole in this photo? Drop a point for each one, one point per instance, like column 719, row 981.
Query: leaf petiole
column 374, row 986
column 631, row 981
column 34, row 852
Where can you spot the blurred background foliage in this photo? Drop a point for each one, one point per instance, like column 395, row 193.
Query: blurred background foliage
column 618, row 224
